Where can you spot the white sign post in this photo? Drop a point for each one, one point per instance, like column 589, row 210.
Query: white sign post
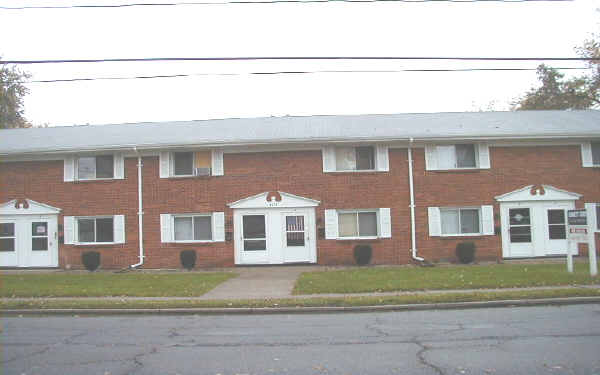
column 579, row 231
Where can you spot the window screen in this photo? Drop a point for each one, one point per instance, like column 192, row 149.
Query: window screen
column 465, row 156
column 183, row 163
column 460, row 221
column 365, row 158
column 596, row 153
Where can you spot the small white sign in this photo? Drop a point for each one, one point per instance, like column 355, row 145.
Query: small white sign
column 578, row 233
column 577, row 230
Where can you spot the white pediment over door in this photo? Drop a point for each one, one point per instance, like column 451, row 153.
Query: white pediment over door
column 26, row 207
column 274, row 199
column 538, row 193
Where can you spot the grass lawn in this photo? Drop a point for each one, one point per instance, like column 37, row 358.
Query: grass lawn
column 298, row 302
column 387, row 279
column 99, row 284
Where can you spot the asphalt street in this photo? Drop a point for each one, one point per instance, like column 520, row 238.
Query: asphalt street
column 524, row 340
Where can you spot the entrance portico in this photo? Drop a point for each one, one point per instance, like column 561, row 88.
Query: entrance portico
column 274, row 228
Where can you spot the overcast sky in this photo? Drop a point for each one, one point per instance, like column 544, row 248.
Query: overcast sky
column 548, row 29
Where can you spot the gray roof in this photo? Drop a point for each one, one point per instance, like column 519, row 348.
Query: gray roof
column 297, row 129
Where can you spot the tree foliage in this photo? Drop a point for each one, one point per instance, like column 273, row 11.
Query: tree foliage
column 12, row 92
column 556, row 92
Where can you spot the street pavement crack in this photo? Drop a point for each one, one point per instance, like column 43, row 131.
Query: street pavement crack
column 421, row 356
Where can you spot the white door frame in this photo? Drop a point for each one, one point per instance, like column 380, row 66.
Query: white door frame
column 538, row 199
column 23, row 213
column 274, row 210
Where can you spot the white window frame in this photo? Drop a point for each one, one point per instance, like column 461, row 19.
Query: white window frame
column 172, row 164
column 478, row 208
column 340, row 212
column 381, row 162
column 96, row 161
column 212, row 227
column 76, row 231
column 592, row 153
column 432, row 157
column 374, row 169
column 475, row 155
column 167, row 163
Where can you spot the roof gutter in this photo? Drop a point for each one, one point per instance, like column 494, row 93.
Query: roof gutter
column 412, row 204
column 140, row 211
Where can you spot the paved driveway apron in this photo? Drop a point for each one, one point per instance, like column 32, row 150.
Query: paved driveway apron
column 258, row 283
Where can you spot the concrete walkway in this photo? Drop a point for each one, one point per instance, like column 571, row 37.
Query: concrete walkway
column 259, row 283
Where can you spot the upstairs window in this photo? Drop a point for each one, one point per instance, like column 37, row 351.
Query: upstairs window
column 95, row 167
column 457, row 156
column 596, row 153
column 355, row 158
column 191, row 163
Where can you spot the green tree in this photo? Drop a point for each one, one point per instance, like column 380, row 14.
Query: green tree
column 12, row 92
column 555, row 92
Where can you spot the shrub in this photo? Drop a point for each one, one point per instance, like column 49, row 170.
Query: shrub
column 90, row 260
column 465, row 251
column 362, row 254
column 188, row 259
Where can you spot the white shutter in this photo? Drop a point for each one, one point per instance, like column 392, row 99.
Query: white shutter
column 119, row 228
column 165, row 164
column 435, row 224
column 217, row 163
column 119, row 166
column 487, row 220
column 331, row 224
column 430, row 158
column 69, row 168
column 586, row 154
column 385, row 223
column 590, row 209
column 484, row 155
column 328, row 159
column 166, row 234
column 218, row 226
column 383, row 160
column 69, row 230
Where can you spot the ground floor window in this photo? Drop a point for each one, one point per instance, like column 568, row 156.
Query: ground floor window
column 193, row 228
column 95, row 230
column 7, row 236
column 460, row 221
column 357, row 224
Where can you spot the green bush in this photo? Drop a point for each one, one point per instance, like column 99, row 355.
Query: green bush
column 90, row 260
column 188, row 259
column 362, row 254
column 465, row 252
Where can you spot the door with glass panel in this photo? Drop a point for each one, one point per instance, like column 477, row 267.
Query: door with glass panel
column 253, row 239
column 8, row 243
column 555, row 231
column 296, row 237
column 520, row 234
column 41, row 246
column 27, row 241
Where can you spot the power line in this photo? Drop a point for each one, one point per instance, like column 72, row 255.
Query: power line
column 280, row 58
column 129, row 5
column 289, row 72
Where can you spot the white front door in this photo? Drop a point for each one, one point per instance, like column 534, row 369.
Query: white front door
column 28, row 241
column 253, row 239
column 275, row 236
column 534, row 229
column 296, row 237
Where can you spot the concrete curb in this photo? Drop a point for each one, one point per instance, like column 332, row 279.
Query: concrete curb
column 310, row 310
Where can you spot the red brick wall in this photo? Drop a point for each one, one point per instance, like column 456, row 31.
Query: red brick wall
column 299, row 173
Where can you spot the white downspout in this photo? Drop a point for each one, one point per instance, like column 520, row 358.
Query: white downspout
column 140, row 211
column 412, row 204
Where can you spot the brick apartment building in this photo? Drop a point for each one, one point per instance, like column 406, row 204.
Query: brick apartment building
column 298, row 189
